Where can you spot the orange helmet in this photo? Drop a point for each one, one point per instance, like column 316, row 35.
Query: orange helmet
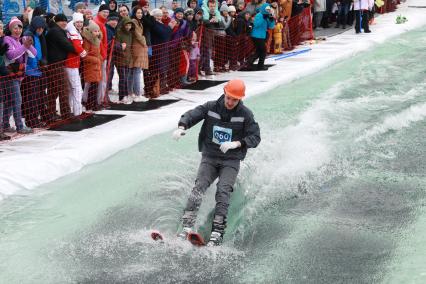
column 235, row 88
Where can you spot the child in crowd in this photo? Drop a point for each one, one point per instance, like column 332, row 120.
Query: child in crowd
column 72, row 64
column 92, row 72
column 194, row 58
column 111, row 27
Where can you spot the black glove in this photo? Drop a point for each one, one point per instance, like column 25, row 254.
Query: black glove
column 3, row 49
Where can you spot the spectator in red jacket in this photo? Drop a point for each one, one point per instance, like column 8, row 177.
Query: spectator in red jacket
column 72, row 64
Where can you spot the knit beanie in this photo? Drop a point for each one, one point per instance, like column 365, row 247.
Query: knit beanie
column 93, row 26
column 13, row 22
column 38, row 22
column 156, row 12
column 103, row 7
column 232, row 9
column 179, row 10
column 189, row 11
column 60, row 18
column 223, row 7
column 143, row 3
column 113, row 17
column 77, row 17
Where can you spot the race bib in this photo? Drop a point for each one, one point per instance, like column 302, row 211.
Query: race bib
column 221, row 134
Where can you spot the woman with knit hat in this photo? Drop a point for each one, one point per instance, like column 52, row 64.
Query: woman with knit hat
column 92, row 68
column 5, row 83
column 72, row 64
column 15, row 59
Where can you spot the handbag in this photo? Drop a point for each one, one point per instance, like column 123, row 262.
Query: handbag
column 16, row 69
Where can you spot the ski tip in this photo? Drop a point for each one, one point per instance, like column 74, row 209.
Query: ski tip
column 156, row 236
column 196, row 239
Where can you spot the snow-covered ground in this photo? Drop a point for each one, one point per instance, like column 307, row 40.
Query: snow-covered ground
column 36, row 159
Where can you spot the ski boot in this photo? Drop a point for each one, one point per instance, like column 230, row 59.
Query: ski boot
column 188, row 221
column 184, row 234
column 218, row 230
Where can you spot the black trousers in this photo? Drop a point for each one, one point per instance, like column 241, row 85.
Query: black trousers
column 364, row 22
column 260, row 52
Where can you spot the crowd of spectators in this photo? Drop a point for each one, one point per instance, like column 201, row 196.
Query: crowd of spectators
column 54, row 67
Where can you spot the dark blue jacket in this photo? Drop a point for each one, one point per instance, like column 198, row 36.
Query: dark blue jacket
column 222, row 125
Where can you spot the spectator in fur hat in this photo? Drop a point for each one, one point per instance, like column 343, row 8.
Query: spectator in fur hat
column 92, row 67
column 189, row 17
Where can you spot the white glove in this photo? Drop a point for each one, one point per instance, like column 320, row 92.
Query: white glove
column 83, row 53
column 178, row 133
column 225, row 146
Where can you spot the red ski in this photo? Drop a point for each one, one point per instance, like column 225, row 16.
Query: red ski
column 194, row 238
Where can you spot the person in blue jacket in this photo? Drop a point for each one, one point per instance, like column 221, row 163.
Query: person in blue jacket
column 263, row 21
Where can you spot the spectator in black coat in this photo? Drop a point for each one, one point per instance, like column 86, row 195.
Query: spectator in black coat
column 58, row 47
column 160, row 35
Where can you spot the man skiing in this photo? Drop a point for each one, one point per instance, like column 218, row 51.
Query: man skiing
column 228, row 130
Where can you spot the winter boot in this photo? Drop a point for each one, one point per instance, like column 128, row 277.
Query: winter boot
column 218, row 230
column 184, row 81
column 188, row 221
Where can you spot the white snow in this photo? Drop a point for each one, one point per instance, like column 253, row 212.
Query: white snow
column 36, row 159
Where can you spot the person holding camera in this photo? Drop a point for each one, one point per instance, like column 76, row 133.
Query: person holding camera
column 263, row 21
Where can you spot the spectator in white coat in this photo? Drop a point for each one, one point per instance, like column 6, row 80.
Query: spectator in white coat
column 361, row 8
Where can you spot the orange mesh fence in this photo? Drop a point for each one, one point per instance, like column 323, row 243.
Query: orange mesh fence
column 221, row 52
column 56, row 92
column 300, row 27
column 388, row 6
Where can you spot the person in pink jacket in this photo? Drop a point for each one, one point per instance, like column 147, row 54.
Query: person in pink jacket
column 15, row 60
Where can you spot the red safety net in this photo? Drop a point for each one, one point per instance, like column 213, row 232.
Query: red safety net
column 300, row 27
column 388, row 6
column 57, row 93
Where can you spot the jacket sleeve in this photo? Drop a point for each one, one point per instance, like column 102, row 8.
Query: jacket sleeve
column 14, row 53
column 76, row 44
column 271, row 24
column 193, row 116
column 63, row 42
column 252, row 132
